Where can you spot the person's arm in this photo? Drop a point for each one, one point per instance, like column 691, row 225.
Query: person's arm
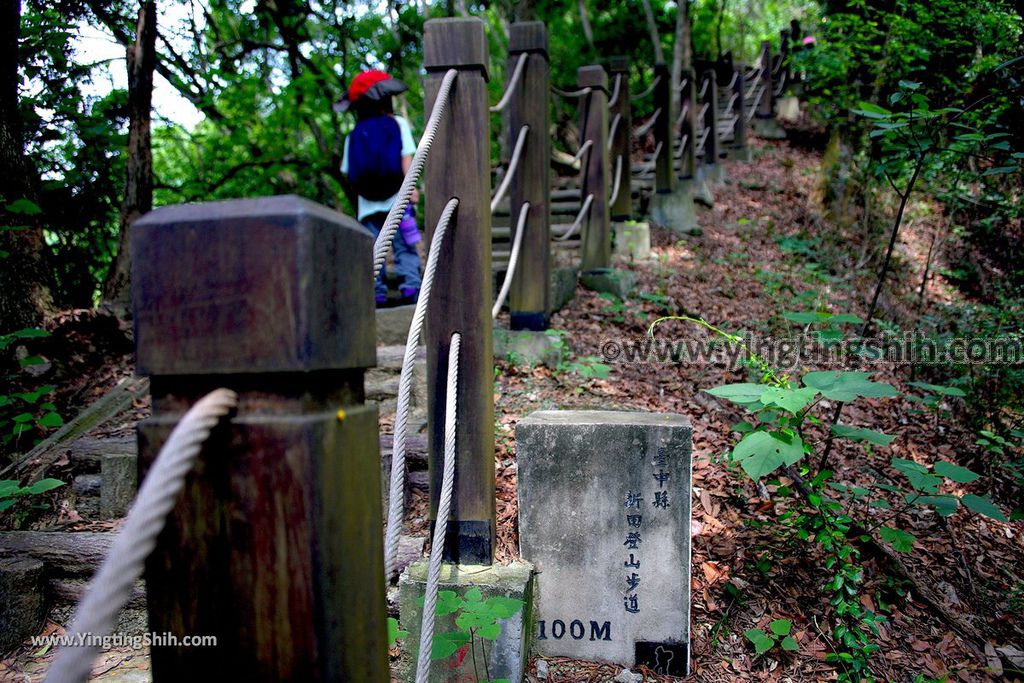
column 406, row 165
column 408, row 150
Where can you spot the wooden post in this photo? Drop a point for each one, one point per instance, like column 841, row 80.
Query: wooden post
column 712, row 145
column 597, row 242
column 740, row 111
column 275, row 544
column 688, row 99
column 530, row 295
column 766, row 104
column 784, row 52
column 459, row 166
column 664, row 172
column 621, row 143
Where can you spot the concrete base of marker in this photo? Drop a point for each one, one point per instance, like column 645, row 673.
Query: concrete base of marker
column 741, row 154
column 610, row 280
column 528, row 348
column 632, row 240
column 675, row 210
column 563, row 287
column 715, row 173
column 768, row 129
column 507, row 656
column 702, row 188
column 787, row 109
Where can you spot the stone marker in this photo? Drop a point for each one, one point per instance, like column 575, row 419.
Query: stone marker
column 604, row 515
column 119, row 472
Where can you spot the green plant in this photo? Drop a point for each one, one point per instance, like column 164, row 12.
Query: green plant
column 778, row 634
column 13, row 494
column 26, row 412
column 476, row 620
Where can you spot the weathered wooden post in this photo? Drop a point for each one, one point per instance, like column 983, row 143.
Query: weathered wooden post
column 621, row 142
column 664, row 173
column 712, row 143
column 459, row 166
column 689, row 129
column 741, row 151
column 766, row 104
column 275, row 544
column 530, row 295
column 597, row 242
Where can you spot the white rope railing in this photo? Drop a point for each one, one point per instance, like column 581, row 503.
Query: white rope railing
column 443, row 511
column 111, row 587
column 513, row 166
column 701, row 139
column 732, row 83
column 611, row 131
column 682, row 84
column 582, row 92
column 387, row 232
column 511, row 87
column 650, row 89
column 583, row 150
column 618, row 180
column 579, row 219
column 396, row 485
column 782, row 84
column 513, row 260
column 683, row 111
column 703, row 112
column 615, row 91
column 642, row 130
column 732, row 102
column 678, row 154
column 704, row 87
column 650, row 163
column 754, row 104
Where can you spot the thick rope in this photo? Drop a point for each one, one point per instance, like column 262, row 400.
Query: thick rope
column 732, row 83
column 754, row 104
column 650, row 89
column 704, row 87
column 387, row 232
column 511, row 87
column 611, row 133
column 574, row 228
column 583, row 150
column 615, row 91
column 513, row 259
column 703, row 112
column 683, row 111
column 642, row 130
column 682, row 84
column 396, row 488
column 111, row 587
column 443, row 510
column 513, row 166
column 682, row 146
column 618, row 180
column 582, row 92
column 782, row 84
column 650, row 163
column 731, row 103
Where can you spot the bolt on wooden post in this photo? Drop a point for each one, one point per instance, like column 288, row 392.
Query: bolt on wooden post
column 530, row 295
column 597, row 241
column 621, row 142
column 664, row 174
column 712, row 144
column 689, row 129
column 274, row 546
column 766, row 105
column 459, row 166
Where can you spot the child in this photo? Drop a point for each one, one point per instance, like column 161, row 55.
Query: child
column 378, row 153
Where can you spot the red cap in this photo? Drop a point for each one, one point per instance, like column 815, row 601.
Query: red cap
column 362, row 82
column 372, row 84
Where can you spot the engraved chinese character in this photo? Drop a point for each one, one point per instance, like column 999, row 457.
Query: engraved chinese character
column 632, row 540
column 632, row 562
column 634, row 520
column 631, row 603
column 661, row 476
column 661, row 458
column 661, row 499
column 633, row 500
column 632, row 581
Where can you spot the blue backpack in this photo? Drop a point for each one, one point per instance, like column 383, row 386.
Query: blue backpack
column 375, row 158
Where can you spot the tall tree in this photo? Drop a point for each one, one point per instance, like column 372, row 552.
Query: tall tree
column 24, row 278
column 682, row 51
column 138, row 185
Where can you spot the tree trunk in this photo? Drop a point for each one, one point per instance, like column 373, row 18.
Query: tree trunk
column 652, row 26
column 138, row 186
column 682, row 52
column 24, row 277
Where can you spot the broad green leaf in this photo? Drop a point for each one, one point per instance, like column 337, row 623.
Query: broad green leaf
column 847, row 386
column 761, row 453
column 31, row 360
column 983, row 506
column 762, row 643
column 781, row 627
column 862, row 434
column 791, row 400
column 394, row 633
column 51, row 420
column 961, row 475
column 789, row 644
column 490, row 631
column 944, row 504
column 742, row 427
column 918, row 475
column 448, row 602
column 901, row 541
column 446, row 644
column 938, row 389
column 8, row 487
column 806, row 317
column 7, row 504
column 23, row 417
column 504, row 608
column 474, row 595
column 742, row 393
column 872, row 111
column 44, row 485
column 25, row 207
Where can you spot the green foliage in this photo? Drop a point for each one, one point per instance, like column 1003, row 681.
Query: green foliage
column 20, row 500
column 778, row 635
column 25, row 415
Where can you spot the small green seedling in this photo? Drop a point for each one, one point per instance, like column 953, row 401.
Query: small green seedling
column 779, row 635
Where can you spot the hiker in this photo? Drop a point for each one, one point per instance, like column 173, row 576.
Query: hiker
column 378, row 153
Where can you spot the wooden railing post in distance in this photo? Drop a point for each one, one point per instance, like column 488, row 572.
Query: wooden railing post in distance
column 597, row 240
column 766, row 105
column 784, row 52
column 530, row 295
column 275, row 545
column 741, row 151
column 664, row 171
column 689, row 129
column 459, row 166
column 622, row 140
column 713, row 144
